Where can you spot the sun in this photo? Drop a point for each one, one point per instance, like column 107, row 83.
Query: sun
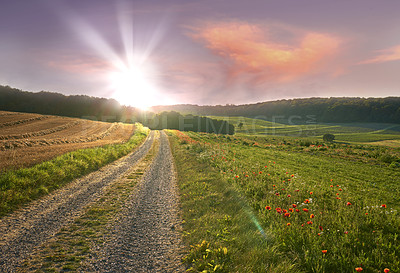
column 130, row 75
column 132, row 85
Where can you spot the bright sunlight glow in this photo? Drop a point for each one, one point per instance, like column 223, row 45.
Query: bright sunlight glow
column 133, row 86
column 132, row 78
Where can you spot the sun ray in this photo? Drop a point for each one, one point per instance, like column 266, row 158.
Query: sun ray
column 133, row 75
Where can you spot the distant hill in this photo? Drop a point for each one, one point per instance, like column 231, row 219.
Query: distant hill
column 330, row 110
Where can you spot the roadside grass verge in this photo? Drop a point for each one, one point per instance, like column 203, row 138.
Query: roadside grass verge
column 18, row 187
column 319, row 213
column 221, row 232
column 74, row 245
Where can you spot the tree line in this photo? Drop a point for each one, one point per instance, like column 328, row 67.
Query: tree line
column 174, row 120
column 330, row 110
column 82, row 106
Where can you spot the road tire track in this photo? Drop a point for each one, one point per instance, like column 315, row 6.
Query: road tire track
column 28, row 228
column 146, row 236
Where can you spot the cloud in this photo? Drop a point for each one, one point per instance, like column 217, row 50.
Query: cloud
column 386, row 55
column 251, row 51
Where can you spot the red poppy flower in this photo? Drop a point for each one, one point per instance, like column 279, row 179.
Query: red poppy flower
column 286, row 214
column 346, row 232
column 297, row 190
column 278, row 210
column 306, row 201
column 386, row 270
column 290, row 209
column 312, row 216
column 284, row 211
column 277, row 194
column 338, row 198
column 331, row 186
column 359, row 269
column 306, row 210
column 268, row 207
column 294, row 205
column 309, row 222
column 321, row 228
column 260, row 172
column 383, row 206
column 348, row 204
column 292, row 175
column 311, row 192
column 288, row 224
column 288, row 195
column 324, row 251
column 297, row 210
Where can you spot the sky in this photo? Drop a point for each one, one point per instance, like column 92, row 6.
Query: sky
column 205, row 52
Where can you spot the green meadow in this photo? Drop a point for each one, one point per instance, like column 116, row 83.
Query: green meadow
column 372, row 133
column 261, row 202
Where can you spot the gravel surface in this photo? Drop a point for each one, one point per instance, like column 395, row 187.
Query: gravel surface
column 27, row 228
column 146, row 237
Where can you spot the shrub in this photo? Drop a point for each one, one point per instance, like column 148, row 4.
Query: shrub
column 328, row 137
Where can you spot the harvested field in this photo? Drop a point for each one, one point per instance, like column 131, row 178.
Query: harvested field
column 34, row 127
column 28, row 139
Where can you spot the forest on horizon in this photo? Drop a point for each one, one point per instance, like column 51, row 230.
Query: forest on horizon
column 329, row 110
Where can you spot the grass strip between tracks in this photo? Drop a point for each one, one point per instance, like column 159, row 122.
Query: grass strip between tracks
column 18, row 187
column 71, row 248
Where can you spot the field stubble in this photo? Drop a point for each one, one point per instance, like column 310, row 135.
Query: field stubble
column 28, row 139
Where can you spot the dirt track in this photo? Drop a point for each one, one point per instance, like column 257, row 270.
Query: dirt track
column 28, row 228
column 144, row 239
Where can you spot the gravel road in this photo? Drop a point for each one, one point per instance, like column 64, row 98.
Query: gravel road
column 146, row 236
column 26, row 229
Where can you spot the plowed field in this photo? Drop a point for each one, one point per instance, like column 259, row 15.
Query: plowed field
column 27, row 139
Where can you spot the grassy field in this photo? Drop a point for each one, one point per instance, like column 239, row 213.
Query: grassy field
column 271, row 203
column 310, row 128
column 18, row 187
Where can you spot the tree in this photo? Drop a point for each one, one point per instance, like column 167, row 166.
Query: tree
column 328, row 137
column 240, row 125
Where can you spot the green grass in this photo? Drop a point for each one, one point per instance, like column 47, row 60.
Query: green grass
column 220, row 229
column 349, row 132
column 18, row 187
column 345, row 185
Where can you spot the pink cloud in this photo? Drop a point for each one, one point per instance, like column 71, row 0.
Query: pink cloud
column 248, row 49
column 386, row 55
